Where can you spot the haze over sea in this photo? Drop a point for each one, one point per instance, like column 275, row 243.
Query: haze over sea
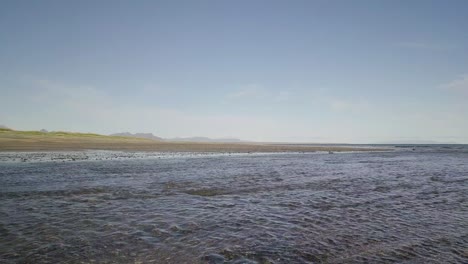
column 400, row 206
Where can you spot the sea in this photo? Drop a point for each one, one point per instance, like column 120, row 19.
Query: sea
column 405, row 205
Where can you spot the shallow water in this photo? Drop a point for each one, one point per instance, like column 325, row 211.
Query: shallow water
column 390, row 207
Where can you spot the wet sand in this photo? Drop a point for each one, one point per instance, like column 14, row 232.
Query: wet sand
column 14, row 142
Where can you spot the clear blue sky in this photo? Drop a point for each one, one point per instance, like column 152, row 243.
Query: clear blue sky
column 317, row 71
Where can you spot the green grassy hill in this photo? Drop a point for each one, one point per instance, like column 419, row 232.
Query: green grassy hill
column 10, row 133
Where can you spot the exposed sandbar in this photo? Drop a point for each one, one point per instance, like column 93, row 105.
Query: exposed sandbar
column 62, row 141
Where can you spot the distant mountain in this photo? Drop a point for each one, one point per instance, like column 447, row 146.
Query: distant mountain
column 138, row 135
column 206, row 139
column 179, row 139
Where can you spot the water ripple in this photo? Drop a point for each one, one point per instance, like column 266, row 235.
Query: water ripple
column 400, row 207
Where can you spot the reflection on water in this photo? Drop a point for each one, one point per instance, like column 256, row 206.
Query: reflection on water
column 403, row 206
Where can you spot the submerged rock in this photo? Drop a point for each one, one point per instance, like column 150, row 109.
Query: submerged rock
column 244, row 261
column 213, row 259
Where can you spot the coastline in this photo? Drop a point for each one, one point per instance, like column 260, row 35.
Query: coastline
column 12, row 146
column 21, row 141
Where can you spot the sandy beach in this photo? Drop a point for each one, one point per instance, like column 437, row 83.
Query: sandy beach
column 11, row 140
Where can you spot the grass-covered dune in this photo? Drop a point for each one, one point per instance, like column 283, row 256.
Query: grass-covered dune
column 18, row 134
column 13, row 140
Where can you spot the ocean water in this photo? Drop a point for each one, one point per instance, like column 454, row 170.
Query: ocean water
column 401, row 206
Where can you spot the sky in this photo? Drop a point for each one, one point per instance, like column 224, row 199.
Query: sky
column 299, row 71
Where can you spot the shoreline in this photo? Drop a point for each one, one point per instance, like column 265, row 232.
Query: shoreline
column 108, row 155
column 173, row 147
column 24, row 141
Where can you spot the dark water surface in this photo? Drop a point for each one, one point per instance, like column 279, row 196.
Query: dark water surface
column 395, row 207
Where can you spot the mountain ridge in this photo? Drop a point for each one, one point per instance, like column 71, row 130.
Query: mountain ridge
column 178, row 139
column 138, row 135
